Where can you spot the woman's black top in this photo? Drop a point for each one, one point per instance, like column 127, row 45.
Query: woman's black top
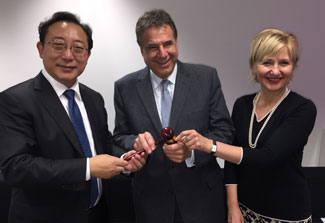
column 270, row 179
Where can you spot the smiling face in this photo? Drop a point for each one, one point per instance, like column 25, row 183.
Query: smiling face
column 64, row 66
column 275, row 72
column 159, row 50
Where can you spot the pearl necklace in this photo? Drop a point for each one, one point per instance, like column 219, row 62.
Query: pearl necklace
column 253, row 145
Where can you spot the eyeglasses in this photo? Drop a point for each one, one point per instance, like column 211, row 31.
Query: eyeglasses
column 60, row 46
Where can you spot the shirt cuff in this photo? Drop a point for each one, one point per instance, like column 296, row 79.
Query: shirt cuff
column 88, row 170
column 125, row 172
column 190, row 161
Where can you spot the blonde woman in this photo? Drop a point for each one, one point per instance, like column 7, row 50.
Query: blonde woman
column 264, row 177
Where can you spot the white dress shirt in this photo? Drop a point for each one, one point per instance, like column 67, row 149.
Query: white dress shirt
column 60, row 89
column 157, row 89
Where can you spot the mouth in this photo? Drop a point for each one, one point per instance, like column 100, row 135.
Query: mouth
column 274, row 79
column 163, row 63
column 66, row 68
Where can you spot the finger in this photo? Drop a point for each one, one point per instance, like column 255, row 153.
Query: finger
column 183, row 134
column 191, row 142
column 131, row 152
column 133, row 165
column 148, row 142
column 138, row 160
column 120, row 163
column 167, row 151
column 173, row 151
column 170, row 148
column 112, row 161
column 119, row 169
column 186, row 133
column 142, row 143
column 141, row 159
column 187, row 139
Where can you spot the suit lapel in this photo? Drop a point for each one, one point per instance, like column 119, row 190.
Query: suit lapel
column 181, row 90
column 54, row 107
column 144, row 88
column 92, row 117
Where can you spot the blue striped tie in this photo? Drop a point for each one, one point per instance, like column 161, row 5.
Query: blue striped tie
column 78, row 125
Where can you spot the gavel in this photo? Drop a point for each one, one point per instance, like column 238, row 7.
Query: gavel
column 168, row 136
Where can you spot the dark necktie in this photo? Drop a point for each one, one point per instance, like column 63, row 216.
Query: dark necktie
column 79, row 127
column 166, row 103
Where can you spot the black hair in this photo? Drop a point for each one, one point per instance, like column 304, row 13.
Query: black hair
column 67, row 17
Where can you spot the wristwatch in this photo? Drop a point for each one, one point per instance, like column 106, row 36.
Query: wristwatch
column 214, row 148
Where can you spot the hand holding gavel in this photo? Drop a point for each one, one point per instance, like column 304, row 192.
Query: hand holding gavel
column 168, row 136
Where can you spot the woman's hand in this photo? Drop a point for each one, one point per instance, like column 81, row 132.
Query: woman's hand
column 194, row 140
column 235, row 215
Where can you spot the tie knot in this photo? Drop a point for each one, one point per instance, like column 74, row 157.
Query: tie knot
column 69, row 94
column 164, row 84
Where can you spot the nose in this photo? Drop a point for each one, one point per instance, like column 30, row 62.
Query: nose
column 162, row 51
column 275, row 69
column 67, row 53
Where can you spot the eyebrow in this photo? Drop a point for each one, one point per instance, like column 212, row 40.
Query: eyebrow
column 156, row 44
column 61, row 38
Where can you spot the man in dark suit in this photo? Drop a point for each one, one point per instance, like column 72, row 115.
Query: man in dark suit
column 54, row 134
column 175, row 185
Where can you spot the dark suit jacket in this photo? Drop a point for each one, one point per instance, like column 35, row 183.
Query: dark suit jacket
column 40, row 155
column 199, row 104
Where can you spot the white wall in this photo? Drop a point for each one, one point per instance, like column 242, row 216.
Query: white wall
column 213, row 32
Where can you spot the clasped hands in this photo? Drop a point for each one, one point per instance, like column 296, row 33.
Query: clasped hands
column 106, row 166
column 177, row 152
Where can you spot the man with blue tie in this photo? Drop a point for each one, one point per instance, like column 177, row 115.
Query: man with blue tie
column 175, row 185
column 54, row 135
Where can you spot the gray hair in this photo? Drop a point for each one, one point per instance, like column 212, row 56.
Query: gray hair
column 157, row 18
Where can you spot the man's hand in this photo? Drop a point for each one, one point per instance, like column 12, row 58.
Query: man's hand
column 106, row 166
column 177, row 152
column 145, row 142
column 136, row 162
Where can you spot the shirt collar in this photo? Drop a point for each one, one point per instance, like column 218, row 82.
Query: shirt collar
column 61, row 88
column 157, row 80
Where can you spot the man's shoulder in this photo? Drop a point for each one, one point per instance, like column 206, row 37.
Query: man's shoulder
column 195, row 66
column 21, row 95
column 201, row 72
column 134, row 76
column 22, row 88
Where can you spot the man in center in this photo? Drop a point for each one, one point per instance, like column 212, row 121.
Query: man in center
column 176, row 185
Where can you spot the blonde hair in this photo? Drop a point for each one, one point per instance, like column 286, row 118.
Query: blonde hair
column 268, row 43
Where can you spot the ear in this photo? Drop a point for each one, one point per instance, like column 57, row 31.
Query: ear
column 40, row 49
column 141, row 50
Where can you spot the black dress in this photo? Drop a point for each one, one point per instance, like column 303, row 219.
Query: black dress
column 270, row 179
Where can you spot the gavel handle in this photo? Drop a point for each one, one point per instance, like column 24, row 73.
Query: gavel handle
column 130, row 156
column 140, row 151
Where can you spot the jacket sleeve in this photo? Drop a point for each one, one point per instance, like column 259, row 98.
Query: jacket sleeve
column 22, row 161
